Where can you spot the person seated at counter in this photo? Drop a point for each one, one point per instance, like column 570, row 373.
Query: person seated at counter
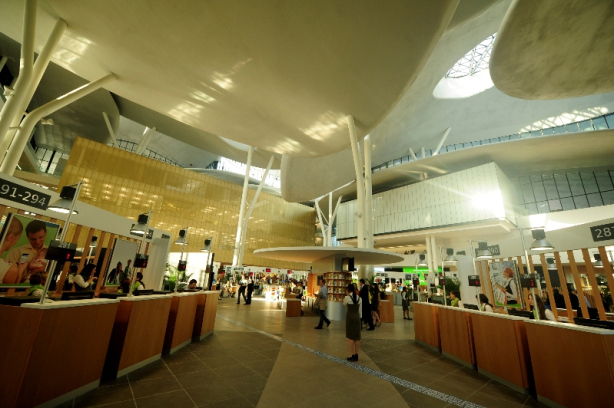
column 124, row 286
column 455, row 299
column 83, row 279
column 139, row 285
column 36, row 285
column 485, row 305
column 192, row 284
column 559, row 300
column 544, row 314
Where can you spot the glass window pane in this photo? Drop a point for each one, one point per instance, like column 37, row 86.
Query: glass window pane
column 468, row 144
column 603, row 181
column 514, row 137
column 610, row 120
column 542, row 207
column 572, row 127
column 527, row 194
column 451, row 148
column 562, row 186
column 548, row 131
column 590, row 185
column 495, row 140
column 555, row 205
column 550, row 188
column 539, row 192
column 580, row 201
column 586, row 125
column 536, row 178
column 536, row 133
column 608, row 197
column 575, row 184
column 568, row 204
column 600, row 123
column 525, row 180
column 525, row 135
column 594, row 200
column 559, row 130
column 458, row 146
column 532, row 208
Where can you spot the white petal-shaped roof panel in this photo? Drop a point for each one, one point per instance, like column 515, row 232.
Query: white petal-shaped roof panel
column 555, row 49
column 277, row 75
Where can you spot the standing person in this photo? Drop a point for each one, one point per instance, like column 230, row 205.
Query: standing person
column 83, row 279
column 559, row 300
column 375, row 305
column 116, row 274
column 128, row 269
column 366, row 305
column 250, row 290
column 405, row 302
column 575, row 301
column 241, row 291
column 352, row 320
column 485, row 306
column 321, row 303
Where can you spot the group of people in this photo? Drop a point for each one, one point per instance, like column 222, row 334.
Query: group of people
column 245, row 285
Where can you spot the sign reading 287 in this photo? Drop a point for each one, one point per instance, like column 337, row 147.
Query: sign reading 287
column 603, row 232
column 20, row 194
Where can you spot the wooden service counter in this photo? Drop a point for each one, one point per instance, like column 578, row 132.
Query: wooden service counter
column 457, row 335
column 386, row 310
column 426, row 325
column 293, row 307
column 180, row 326
column 138, row 333
column 206, row 310
column 53, row 352
column 502, row 349
column 572, row 365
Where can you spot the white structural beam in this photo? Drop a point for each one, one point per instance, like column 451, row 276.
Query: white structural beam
column 322, row 225
column 413, row 155
column 23, row 135
column 237, row 250
column 368, row 195
column 26, row 70
column 2, row 62
column 251, row 209
column 360, row 186
column 145, row 139
column 422, row 153
column 441, row 142
column 109, row 128
column 40, row 66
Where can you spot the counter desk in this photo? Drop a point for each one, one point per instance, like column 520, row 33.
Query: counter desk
column 502, row 349
column 386, row 310
column 426, row 325
column 138, row 333
column 457, row 335
column 206, row 310
column 55, row 351
column 573, row 365
column 180, row 325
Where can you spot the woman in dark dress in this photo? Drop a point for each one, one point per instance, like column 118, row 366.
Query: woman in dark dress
column 352, row 320
column 375, row 305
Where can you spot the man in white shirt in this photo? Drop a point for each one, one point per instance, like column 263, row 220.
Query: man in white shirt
column 36, row 232
column 321, row 302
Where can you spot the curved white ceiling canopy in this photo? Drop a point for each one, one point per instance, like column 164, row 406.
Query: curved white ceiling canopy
column 277, row 75
column 555, row 49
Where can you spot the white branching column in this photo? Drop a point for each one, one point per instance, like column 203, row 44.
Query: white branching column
column 235, row 258
column 364, row 224
column 326, row 225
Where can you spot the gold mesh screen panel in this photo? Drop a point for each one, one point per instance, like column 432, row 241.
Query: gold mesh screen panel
column 128, row 184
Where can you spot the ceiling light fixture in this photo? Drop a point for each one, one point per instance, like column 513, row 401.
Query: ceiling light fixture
column 182, row 240
column 483, row 252
column 540, row 243
column 63, row 204
column 598, row 262
column 140, row 228
column 450, row 258
column 207, row 246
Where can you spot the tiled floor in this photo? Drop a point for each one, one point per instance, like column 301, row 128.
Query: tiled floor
column 239, row 367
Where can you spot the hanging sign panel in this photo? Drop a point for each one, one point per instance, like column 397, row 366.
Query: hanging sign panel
column 23, row 195
column 603, row 232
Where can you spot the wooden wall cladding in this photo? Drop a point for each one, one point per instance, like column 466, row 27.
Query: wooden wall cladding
column 205, row 313
column 456, row 333
column 180, row 320
column 426, row 324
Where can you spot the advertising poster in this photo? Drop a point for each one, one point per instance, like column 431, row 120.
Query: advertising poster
column 505, row 281
column 23, row 246
column 122, row 258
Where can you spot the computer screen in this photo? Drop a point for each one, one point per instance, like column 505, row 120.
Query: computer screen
column 78, row 295
column 600, row 324
column 143, row 292
column 521, row 313
column 472, row 307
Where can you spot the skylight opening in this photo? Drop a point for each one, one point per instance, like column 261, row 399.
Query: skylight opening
column 474, row 61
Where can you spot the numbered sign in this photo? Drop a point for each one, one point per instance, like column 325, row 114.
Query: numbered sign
column 61, row 251
column 603, row 232
column 20, row 194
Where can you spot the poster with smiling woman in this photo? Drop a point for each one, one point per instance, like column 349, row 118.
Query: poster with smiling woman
column 23, row 246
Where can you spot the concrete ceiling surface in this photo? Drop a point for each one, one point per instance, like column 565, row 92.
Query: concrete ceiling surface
column 551, row 49
column 278, row 75
column 420, row 118
column 191, row 135
column 362, row 256
column 80, row 118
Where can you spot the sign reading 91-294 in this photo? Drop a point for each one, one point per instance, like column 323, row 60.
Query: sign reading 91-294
column 20, row 194
column 603, row 232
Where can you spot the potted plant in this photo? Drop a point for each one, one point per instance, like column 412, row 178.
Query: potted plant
column 173, row 275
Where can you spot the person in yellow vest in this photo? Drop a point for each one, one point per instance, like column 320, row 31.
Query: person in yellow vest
column 485, row 306
column 36, row 285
